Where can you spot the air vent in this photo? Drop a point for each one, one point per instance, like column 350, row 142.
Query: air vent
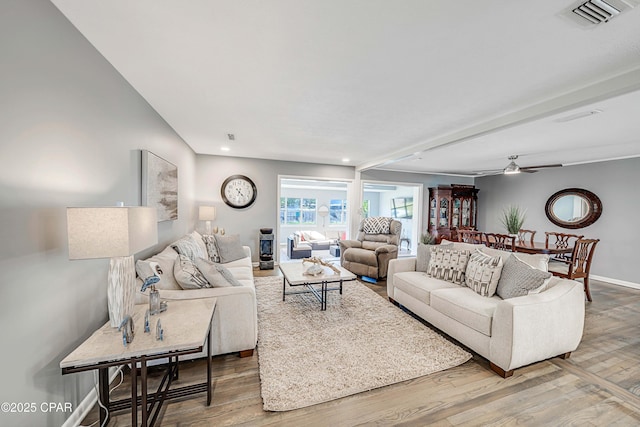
column 596, row 11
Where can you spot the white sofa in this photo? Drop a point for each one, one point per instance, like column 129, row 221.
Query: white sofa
column 235, row 321
column 510, row 333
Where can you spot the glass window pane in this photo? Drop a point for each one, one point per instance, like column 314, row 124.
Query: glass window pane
column 281, row 216
column 293, row 203
column 293, row 217
column 309, row 217
column 309, row 203
column 282, row 202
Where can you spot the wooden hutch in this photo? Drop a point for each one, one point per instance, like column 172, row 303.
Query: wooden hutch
column 452, row 207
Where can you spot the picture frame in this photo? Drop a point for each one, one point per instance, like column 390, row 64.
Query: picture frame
column 160, row 185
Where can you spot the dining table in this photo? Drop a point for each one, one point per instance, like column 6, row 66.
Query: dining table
column 541, row 248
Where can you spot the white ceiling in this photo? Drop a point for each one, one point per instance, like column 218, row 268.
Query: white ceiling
column 463, row 84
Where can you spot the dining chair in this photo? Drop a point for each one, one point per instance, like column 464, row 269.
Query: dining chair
column 524, row 235
column 561, row 241
column 579, row 265
column 470, row 236
column 504, row 242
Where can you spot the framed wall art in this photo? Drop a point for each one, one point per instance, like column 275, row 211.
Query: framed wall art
column 160, row 185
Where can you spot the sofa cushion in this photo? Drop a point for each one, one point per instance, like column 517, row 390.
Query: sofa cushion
column 518, row 278
column 311, row 235
column 424, row 256
column 467, row 307
column 418, row 285
column 361, row 256
column 188, row 246
column 539, row 261
column 448, row 264
column 165, row 260
column 187, row 274
column 216, row 274
column 483, row 272
column 212, row 250
column 376, row 225
column 229, row 248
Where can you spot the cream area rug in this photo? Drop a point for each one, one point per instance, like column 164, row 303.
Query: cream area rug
column 359, row 343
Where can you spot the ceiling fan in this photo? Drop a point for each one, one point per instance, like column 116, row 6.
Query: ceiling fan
column 514, row 168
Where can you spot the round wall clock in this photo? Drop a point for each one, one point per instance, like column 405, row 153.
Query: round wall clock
column 238, row 191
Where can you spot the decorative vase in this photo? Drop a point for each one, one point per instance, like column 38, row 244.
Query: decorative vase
column 120, row 289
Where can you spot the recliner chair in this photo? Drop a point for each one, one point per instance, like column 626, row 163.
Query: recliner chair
column 376, row 244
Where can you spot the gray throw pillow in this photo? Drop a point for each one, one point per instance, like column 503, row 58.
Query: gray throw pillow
column 187, row 274
column 424, row 255
column 518, row 278
column 229, row 248
column 218, row 275
column 189, row 247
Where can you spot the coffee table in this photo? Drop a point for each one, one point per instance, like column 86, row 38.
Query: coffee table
column 187, row 325
column 293, row 273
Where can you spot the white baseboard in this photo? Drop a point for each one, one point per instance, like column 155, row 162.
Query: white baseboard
column 88, row 402
column 616, row 281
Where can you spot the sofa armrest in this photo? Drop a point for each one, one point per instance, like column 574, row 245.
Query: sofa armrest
column 396, row 266
column 247, row 251
column 386, row 249
column 536, row 327
column 346, row 244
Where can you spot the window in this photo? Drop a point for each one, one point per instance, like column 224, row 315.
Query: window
column 338, row 212
column 295, row 210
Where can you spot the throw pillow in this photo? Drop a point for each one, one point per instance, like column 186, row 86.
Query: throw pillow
column 229, row 248
column 518, row 278
column 189, row 247
column 216, row 274
column 376, row 225
column 187, row 274
column 212, row 250
column 483, row 272
column 424, row 256
column 448, row 264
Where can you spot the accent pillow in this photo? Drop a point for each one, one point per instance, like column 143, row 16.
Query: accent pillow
column 518, row 278
column 187, row 274
column 448, row 264
column 483, row 272
column 217, row 275
column 424, row 256
column 229, row 248
column 165, row 260
column 376, row 225
column 212, row 250
column 189, row 247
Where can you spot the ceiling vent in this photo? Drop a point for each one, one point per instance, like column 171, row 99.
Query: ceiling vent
column 596, row 11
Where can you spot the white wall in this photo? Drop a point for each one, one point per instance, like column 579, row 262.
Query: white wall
column 211, row 171
column 71, row 130
column 614, row 182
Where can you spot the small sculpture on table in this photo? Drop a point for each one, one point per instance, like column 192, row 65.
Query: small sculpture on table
column 317, row 267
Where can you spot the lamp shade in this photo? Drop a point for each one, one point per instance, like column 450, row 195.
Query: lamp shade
column 207, row 213
column 108, row 232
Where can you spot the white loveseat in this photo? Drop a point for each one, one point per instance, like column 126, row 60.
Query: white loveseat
column 235, row 321
column 510, row 333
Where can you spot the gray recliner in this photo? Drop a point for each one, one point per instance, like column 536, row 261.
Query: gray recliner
column 370, row 253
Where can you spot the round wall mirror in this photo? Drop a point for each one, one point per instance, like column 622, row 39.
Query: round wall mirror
column 573, row 208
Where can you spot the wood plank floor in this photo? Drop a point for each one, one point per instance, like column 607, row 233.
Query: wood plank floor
column 598, row 386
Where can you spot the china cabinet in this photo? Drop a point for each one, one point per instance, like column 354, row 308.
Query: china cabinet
column 452, row 207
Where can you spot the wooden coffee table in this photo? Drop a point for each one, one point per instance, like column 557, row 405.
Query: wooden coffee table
column 293, row 273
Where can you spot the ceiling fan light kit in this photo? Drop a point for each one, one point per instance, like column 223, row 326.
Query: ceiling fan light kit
column 511, row 169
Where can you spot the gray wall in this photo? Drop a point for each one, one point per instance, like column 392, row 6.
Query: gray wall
column 70, row 129
column 211, row 171
column 614, row 182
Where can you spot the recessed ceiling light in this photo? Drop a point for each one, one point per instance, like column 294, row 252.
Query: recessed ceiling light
column 225, row 148
column 577, row 116
column 345, row 160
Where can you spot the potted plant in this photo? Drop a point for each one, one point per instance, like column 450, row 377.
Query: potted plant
column 427, row 239
column 512, row 218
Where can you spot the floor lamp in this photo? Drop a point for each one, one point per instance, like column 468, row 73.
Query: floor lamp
column 116, row 233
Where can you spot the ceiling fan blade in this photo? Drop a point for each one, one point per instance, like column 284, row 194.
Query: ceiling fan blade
column 559, row 165
column 525, row 170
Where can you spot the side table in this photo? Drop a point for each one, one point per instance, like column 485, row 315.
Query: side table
column 187, row 325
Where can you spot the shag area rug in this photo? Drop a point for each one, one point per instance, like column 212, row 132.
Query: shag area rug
column 361, row 342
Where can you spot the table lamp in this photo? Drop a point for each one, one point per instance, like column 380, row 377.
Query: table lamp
column 207, row 214
column 117, row 233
